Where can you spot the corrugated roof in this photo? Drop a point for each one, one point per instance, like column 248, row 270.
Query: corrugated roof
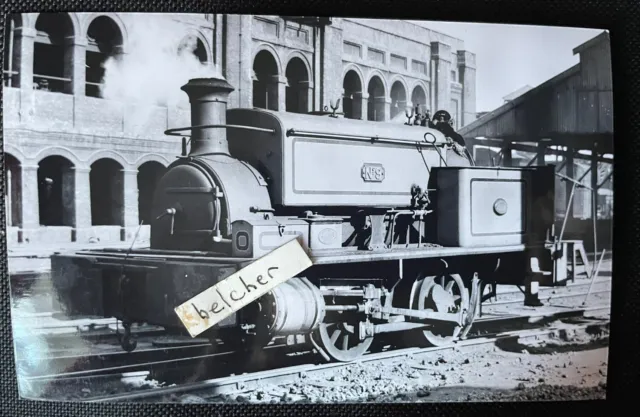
column 467, row 131
column 604, row 36
column 520, row 91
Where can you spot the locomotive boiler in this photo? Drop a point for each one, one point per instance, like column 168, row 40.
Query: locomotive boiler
column 402, row 228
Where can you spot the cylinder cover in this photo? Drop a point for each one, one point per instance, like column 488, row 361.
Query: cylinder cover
column 293, row 307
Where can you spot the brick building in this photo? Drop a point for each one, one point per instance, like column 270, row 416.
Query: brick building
column 84, row 110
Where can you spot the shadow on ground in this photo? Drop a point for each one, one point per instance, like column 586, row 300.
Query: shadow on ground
column 444, row 394
column 563, row 340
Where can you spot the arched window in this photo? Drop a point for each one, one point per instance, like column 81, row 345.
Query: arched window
column 104, row 42
column 398, row 100
column 265, row 83
column 149, row 174
column 419, row 99
column 352, row 101
column 53, row 53
column 56, row 191
column 107, row 193
column 297, row 93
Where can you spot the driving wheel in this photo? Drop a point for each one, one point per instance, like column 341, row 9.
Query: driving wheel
column 443, row 294
column 341, row 340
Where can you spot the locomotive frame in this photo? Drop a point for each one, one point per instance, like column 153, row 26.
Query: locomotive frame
column 411, row 267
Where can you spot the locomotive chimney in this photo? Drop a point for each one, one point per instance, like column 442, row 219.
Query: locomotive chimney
column 208, row 98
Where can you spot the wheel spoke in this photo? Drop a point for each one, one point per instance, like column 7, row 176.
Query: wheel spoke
column 430, row 293
column 341, row 351
column 345, row 342
column 335, row 335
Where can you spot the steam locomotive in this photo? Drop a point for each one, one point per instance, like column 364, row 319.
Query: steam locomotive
column 403, row 229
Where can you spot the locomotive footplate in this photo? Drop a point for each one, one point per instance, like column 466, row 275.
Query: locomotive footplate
column 139, row 286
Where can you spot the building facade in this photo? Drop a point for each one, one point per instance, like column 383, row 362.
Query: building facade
column 87, row 98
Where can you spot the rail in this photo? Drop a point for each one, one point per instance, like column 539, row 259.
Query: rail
column 54, row 84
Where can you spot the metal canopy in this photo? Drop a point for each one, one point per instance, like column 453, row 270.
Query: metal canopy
column 573, row 109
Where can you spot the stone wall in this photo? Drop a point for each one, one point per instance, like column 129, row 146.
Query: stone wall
column 62, row 138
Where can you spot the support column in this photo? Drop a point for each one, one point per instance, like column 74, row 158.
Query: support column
column 386, row 115
column 82, row 204
column 569, row 170
column 306, row 95
column 331, row 63
column 131, row 216
column 317, row 70
column 532, row 283
column 25, row 38
column 363, row 99
column 8, row 196
column 78, row 65
column 507, row 160
column 278, row 86
column 541, row 150
column 24, row 44
column 381, row 108
column 467, row 71
column 236, row 58
column 30, row 202
column 441, row 76
column 594, row 200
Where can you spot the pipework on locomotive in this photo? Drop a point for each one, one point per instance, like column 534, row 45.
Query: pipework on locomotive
column 404, row 230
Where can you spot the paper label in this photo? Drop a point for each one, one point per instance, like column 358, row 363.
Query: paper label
column 243, row 287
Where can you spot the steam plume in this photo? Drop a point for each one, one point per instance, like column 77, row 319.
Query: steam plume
column 159, row 58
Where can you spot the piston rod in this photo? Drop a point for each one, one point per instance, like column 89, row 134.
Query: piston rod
column 455, row 318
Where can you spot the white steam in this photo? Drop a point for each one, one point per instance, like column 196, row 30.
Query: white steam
column 159, row 59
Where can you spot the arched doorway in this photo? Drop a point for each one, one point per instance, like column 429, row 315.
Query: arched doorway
column 13, row 190
column 107, row 193
column 56, row 191
column 398, row 100
column 297, row 93
column 265, row 83
column 149, row 174
column 377, row 100
column 352, row 101
column 104, row 42
column 53, row 53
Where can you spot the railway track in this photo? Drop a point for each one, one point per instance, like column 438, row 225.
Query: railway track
column 487, row 331
column 99, row 360
column 211, row 388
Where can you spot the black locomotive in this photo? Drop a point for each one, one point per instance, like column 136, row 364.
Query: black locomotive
column 403, row 230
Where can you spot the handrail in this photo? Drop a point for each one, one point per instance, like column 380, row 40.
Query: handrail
column 173, row 132
column 359, row 138
column 51, row 77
